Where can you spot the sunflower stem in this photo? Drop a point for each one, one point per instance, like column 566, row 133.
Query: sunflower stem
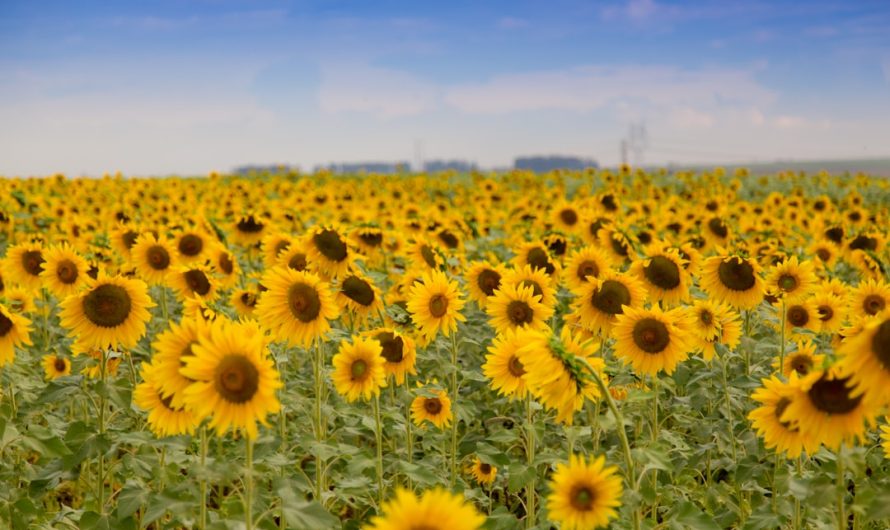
column 410, row 441
column 202, row 523
column 100, row 476
column 248, row 486
column 162, row 459
column 530, row 459
column 747, row 353
column 378, row 435
column 782, row 346
column 655, row 389
column 841, row 489
column 797, row 514
column 164, row 302
column 731, row 432
column 319, row 435
column 594, row 422
column 456, row 418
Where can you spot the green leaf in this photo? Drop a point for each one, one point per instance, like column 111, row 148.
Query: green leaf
column 519, row 476
column 689, row 515
column 130, row 499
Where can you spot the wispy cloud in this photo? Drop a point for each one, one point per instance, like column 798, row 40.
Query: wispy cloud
column 383, row 92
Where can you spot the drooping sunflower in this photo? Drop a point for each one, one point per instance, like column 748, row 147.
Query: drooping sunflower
column 555, row 371
column 193, row 280
column 423, row 254
column 434, row 408
column 652, row 340
column 235, row 379
column 604, row 298
column 171, row 348
column 503, row 366
column 244, row 301
column 585, row 263
column 780, row 434
column 869, row 298
column 64, row 270
column 23, row 264
column 329, row 252
column 483, row 279
column 514, row 307
column 733, row 279
column 801, row 361
column 436, row 509
column 866, row 360
column 792, row 280
column 296, row 307
column 616, row 244
column 664, row 276
column 398, row 351
column 483, row 472
column 826, row 410
column 358, row 369
column 584, row 494
column 358, row 295
column 164, row 417
column 435, row 304
column 226, row 270
column 55, row 366
column 153, row 258
column 111, row 311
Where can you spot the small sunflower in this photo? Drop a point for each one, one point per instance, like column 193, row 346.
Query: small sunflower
column 434, row 408
column 584, row 264
column 734, row 280
column 780, row 434
column 537, row 279
column 235, row 379
column 869, row 298
column 604, row 298
column 792, row 280
column 652, row 340
column 192, row 245
column 153, row 258
column 802, row 315
column 711, row 324
column 55, row 366
column 584, row 494
column 483, row 279
column 483, row 472
column 244, row 301
column 19, row 301
column 802, row 361
column 831, row 309
column 436, row 509
column 193, row 280
column 616, row 245
column 171, row 349
column 273, row 245
column 358, row 369
column 435, row 304
column 23, row 264
column 295, row 257
column 514, row 307
column 398, row 351
column 866, row 359
column 297, row 306
column 503, row 366
column 164, row 417
column 249, row 229
column 226, row 270
column 664, row 276
column 329, row 252
column 64, row 271
column 123, row 237
column 111, row 311
column 358, row 295
column 536, row 256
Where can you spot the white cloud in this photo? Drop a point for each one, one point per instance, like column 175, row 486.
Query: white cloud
column 379, row 91
column 690, row 118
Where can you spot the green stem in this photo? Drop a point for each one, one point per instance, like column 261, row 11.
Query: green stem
column 530, row 460
column 248, row 486
column 595, row 425
column 202, row 522
column 410, row 438
column 100, row 478
column 655, row 389
column 319, row 435
column 378, row 434
column 782, row 346
column 841, row 490
column 454, row 399
column 162, row 461
column 164, row 302
column 797, row 514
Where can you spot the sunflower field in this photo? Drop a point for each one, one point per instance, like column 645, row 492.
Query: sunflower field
column 577, row 350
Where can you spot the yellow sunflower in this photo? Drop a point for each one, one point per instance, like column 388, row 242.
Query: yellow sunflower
column 652, row 340
column 153, row 258
column 164, row 417
column 55, row 366
column 866, row 360
column 23, row 264
column 235, row 380
column 585, row 263
column 503, row 367
column 483, row 279
column 734, row 280
column 514, row 307
column 664, row 276
column 111, row 311
column 435, row 304
column 249, row 229
column 536, row 256
column 711, row 324
column 329, row 252
column 192, row 245
column 171, row 348
column 244, row 301
column 358, row 295
column 436, row 509
column 831, row 309
column 535, row 278
column 781, row 435
column 792, row 280
column 434, row 408
column 604, row 298
column 64, row 270
column 398, row 351
column 297, row 306
column 802, row 315
column 19, row 301
column 358, row 369
column 226, row 270
column 584, row 494
column 193, row 280
column 801, row 361
column 295, row 257
column 483, row 472
column 869, row 298
column 273, row 245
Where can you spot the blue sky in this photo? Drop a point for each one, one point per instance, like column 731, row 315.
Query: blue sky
column 190, row 86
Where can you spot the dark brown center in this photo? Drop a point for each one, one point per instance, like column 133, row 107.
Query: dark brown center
column 880, row 344
column 432, row 406
column 250, row 225
column 236, row 379
column 438, row 305
column 59, row 364
column 484, row 468
column 587, row 268
column 197, row 281
column 488, row 281
column 66, row 271
column 158, row 258
column 5, row 325
column 619, row 246
column 651, row 336
column 358, row 290
column 536, row 289
column 297, row 262
column 832, row 396
column 391, row 346
column 538, row 259
column 802, row 364
column 304, row 302
column 781, row 405
column 372, row 239
column 582, row 498
column 449, row 239
column 427, row 254
column 330, row 245
column 718, row 228
column 874, row 304
column 107, row 305
column 825, row 313
column 662, row 273
column 798, row 316
column 823, row 254
column 736, row 274
column 129, row 239
column 190, row 245
column 32, row 262
column 520, row 313
column 225, row 263
column 610, row 296
column 569, row 216
column 515, row 367
column 248, row 299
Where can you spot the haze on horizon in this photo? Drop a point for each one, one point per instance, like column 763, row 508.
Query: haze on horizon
column 188, row 87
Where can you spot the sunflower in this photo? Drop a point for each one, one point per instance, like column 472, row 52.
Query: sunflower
column 369, row 240
column 273, row 245
column 153, row 258
column 235, row 380
column 295, row 257
column 435, row 304
column 328, row 251
column 616, row 245
column 802, row 361
column 424, row 255
column 831, row 310
column 584, row 494
column 536, row 256
column 866, row 360
column 192, row 245
column 824, row 252
column 503, row 367
column 664, row 276
column 244, row 301
column 566, row 217
column 123, row 237
column 514, row 307
column 604, row 298
column 296, row 307
column 249, row 229
column 436, row 509
column 358, row 295
column 535, row 278
column 193, row 280
column 196, row 307
column 23, row 265
column 803, row 314
column 792, row 280
column 869, row 298
column 712, row 324
column 225, row 267
column 19, row 301
column 483, row 279
column 555, row 371
column 111, row 311
column 434, row 408
column 55, row 366
column 64, row 271
column 398, row 351
column 734, row 280
column 585, row 263
column 652, row 340
column 483, row 472
column 782, row 435
column 171, row 348
column 358, row 369
column 164, row 417
column 826, row 409
column 716, row 232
